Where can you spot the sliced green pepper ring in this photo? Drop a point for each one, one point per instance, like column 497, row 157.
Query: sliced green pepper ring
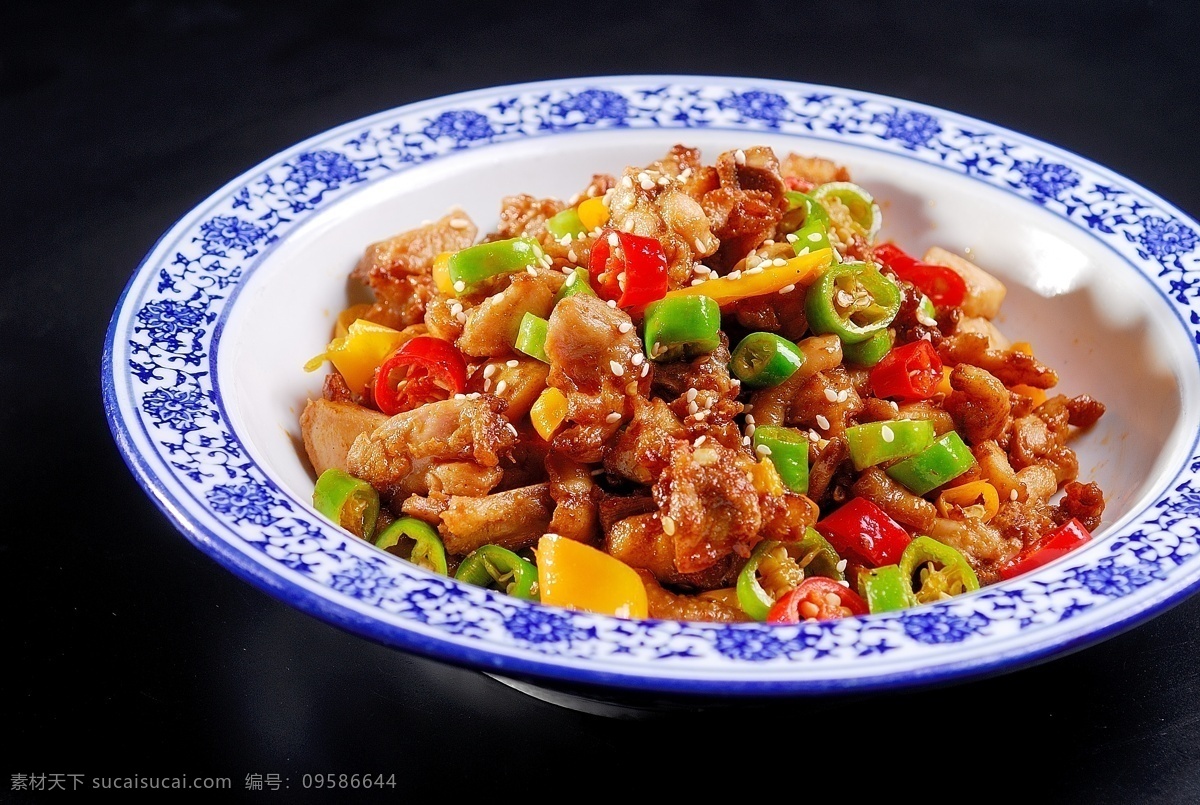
column 765, row 359
column 802, row 209
column 863, row 209
column 348, row 501
column 566, row 223
column 531, row 336
column 427, row 550
column 852, row 301
column 869, row 352
column 788, row 452
column 884, row 590
column 933, row 571
column 939, row 463
column 812, row 556
column 500, row 569
column 577, row 282
column 681, row 327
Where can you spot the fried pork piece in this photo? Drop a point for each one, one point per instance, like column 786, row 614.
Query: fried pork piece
column 770, row 406
column 826, row 403
column 400, row 269
column 897, row 502
column 1082, row 501
column 703, row 395
column 571, row 487
column 491, row 326
column 744, row 211
column 592, row 349
column 328, row 428
column 514, row 519
column 830, row 461
column 523, row 214
column 1010, row 368
column 1041, row 438
column 982, row 544
column 709, row 496
column 804, row 173
column 642, row 450
column 642, row 205
column 409, row 452
column 640, row 542
column 980, row 403
column 669, row 606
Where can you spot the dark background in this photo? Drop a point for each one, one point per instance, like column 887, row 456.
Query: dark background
column 129, row 652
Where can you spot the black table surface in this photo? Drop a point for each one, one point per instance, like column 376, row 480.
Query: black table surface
column 131, row 653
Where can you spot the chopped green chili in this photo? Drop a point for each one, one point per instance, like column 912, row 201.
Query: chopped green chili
column 577, row 282
column 348, row 501
column 765, row 359
column 474, row 264
column 531, row 336
column 787, row 448
column 932, row 571
column 869, row 352
column 876, row 442
column 682, row 327
column 852, row 301
column 941, row 462
column 884, row 590
column 500, row 569
column 566, row 223
column 427, row 550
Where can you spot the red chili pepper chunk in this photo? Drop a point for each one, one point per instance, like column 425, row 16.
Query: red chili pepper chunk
column 633, row 272
column 817, row 598
column 424, row 369
column 944, row 286
column 908, row 373
column 863, row 533
column 1057, row 543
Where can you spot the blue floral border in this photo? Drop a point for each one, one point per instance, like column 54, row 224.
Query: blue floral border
column 166, row 352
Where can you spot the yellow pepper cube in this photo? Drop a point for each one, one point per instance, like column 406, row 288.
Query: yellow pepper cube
column 578, row 576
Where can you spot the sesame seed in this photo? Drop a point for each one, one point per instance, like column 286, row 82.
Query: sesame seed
column 843, row 395
column 459, row 223
column 627, row 182
column 698, row 282
column 841, row 565
column 512, row 363
column 627, row 226
column 733, row 275
column 637, row 359
column 686, row 173
column 460, row 286
column 746, row 440
column 699, row 441
column 691, row 394
column 813, row 436
column 462, row 318
column 622, row 277
column 647, row 184
column 456, row 308
column 1012, row 495
column 613, row 417
column 739, row 156
column 802, row 252
column 512, row 428
column 787, row 289
column 617, row 369
column 822, row 422
column 749, row 417
column 625, row 327
column 613, row 240
column 574, row 258
column 643, row 176
column 750, row 429
column 814, row 237
column 668, row 525
column 487, row 385
column 612, row 303
column 645, row 369
column 570, row 279
column 779, row 262
column 693, row 407
column 753, row 260
column 756, row 270
column 664, row 181
column 501, row 386
column 598, row 471
column 792, row 238
column 531, row 271
column 700, row 415
column 699, row 244
column 887, row 434
column 831, row 395
column 567, row 238
column 489, row 370
column 460, row 396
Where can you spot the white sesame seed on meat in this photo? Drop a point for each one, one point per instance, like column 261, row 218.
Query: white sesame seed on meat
column 625, row 327
column 613, row 417
column 512, row 363
column 501, row 386
column 822, row 422
column 617, row 369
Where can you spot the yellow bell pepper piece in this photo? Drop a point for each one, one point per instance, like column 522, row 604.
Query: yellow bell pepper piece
column 548, row 412
column 578, row 576
column 441, row 274
column 1037, row 395
column 726, row 290
column 593, row 213
column 347, row 317
column 358, row 354
column 943, row 387
column 1023, row 347
column 977, row 500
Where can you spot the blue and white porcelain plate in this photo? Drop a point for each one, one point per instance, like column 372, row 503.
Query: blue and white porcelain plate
column 203, row 381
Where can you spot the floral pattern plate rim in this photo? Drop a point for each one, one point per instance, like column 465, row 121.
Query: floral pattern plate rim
column 166, row 412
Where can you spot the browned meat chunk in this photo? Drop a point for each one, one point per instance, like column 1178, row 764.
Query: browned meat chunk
column 979, row 403
column 639, row 541
column 712, row 505
column 1083, row 411
column 1082, row 501
column 523, row 214
column 826, row 403
column 770, row 406
column 571, row 488
column 982, row 544
column 404, row 454
column 514, row 519
column 1011, row 368
column 805, row 173
column 746, row 208
column 643, row 449
column 329, row 428
column 897, row 502
column 829, row 461
column 400, row 269
column 667, row 605
column 491, row 326
column 596, row 360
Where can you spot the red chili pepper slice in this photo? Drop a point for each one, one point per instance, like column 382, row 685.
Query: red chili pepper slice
column 1059, row 542
column 862, row 532
column 424, row 369
column 907, row 373
column 641, row 260
column 944, row 286
column 817, row 598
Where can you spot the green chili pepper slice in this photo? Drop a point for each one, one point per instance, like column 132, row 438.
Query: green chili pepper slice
column 810, row 237
column 500, row 569
column 869, row 352
column 531, row 336
column 787, row 448
column 474, row 264
column 427, row 550
column 884, row 590
column 802, row 209
column 941, row 462
column 682, row 327
column 348, row 501
column 852, row 301
column 863, row 209
column 926, row 308
column 765, row 359
column 876, row 442
column 783, row 565
column 566, row 223
column 933, row 571
column 577, row 282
